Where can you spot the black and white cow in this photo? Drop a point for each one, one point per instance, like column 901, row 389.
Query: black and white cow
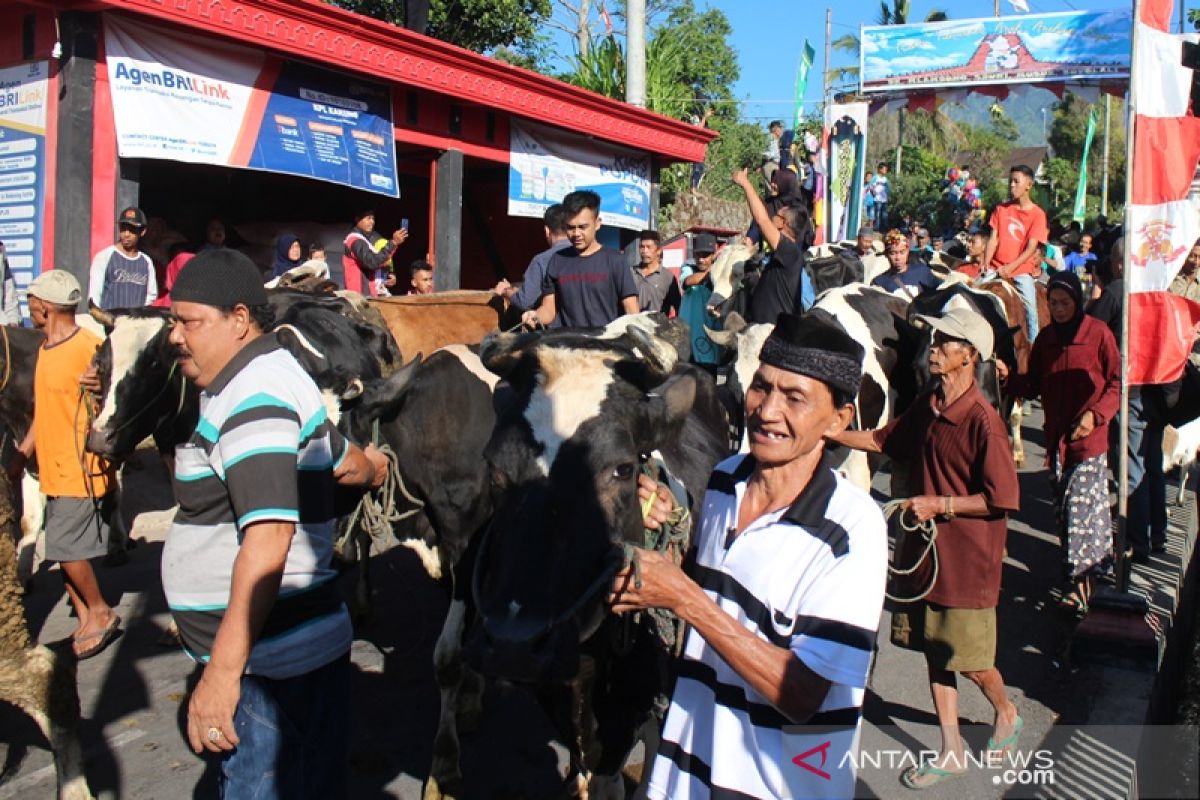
column 876, row 320
column 564, row 459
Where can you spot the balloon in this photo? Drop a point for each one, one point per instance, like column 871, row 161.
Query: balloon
column 975, row 202
column 976, row 193
column 952, row 174
column 970, row 184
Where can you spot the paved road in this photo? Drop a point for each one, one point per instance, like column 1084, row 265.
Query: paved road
column 132, row 695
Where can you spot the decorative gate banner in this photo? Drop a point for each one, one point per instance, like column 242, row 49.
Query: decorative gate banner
column 545, row 166
column 217, row 103
column 1035, row 48
column 23, row 96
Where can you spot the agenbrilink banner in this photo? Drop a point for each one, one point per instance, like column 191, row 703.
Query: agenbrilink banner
column 545, row 166
column 1031, row 48
column 23, row 95
column 217, row 103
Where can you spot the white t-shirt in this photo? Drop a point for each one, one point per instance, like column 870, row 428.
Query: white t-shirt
column 809, row 578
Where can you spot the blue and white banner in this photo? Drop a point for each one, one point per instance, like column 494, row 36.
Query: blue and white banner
column 546, row 165
column 1035, row 48
column 23, row 95
column 210, row 102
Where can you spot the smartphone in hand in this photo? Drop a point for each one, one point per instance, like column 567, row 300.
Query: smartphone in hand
column 404, row 224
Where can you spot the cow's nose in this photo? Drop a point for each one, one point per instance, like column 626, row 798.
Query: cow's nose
column 99, row 443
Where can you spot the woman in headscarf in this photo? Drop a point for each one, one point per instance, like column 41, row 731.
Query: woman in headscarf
column 288, row 254
column 1076, row 368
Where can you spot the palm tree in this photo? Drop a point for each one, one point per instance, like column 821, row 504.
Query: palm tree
column 895, row 14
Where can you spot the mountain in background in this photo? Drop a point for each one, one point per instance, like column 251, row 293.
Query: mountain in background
column 1025, row 111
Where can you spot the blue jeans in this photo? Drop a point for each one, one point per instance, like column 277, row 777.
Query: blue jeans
column 1147, row 505
column 293, row 734
column 1027, row 288
column 880, row 219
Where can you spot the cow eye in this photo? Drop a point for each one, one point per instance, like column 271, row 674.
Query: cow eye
column 624, row 472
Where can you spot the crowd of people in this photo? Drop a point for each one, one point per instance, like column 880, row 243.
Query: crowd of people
column 255, row 480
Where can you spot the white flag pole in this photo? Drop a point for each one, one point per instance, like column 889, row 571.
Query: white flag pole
column 1120, row 563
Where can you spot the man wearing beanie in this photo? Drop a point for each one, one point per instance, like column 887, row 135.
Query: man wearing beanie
column 80, row 501
column 246, row 566
column 783, row 593
column 961, row 476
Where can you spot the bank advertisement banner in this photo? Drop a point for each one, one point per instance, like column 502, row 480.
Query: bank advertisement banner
column 215, row 103
column 545, row 166
column 1031, row 48
column 23, row 95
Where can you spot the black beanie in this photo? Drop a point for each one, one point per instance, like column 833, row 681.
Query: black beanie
column 222, row 278
column 811, row 346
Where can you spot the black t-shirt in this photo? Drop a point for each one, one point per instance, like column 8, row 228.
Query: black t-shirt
column 588, row 289
column 1107, row 307
column 779, row 285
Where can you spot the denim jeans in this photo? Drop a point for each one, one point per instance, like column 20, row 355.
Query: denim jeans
column 292, row 736
column 880, row 220
column 1147, row 505
column 1027, row 288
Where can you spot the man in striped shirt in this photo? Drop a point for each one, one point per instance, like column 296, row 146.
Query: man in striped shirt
column 782, row 592
column 246, row 567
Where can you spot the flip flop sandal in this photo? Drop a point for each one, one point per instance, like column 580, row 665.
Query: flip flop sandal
column 1073, row 605
column 910, row 777
column 1004, row 745
column 105, row 636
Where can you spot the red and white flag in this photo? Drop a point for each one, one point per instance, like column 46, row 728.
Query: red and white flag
column 1161, row 223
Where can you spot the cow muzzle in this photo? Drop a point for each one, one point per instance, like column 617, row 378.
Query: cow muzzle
column 512, row 651
column 100, row 443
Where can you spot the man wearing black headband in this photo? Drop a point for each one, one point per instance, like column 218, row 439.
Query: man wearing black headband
column 783, row 591
column 246, row 566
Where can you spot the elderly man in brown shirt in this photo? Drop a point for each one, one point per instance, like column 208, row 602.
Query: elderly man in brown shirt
column 962, row 476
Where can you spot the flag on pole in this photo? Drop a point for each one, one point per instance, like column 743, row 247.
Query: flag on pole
column 608, row 26
column 1161, row 223
column 1021, row 6
column 807, row 54
column 1080, row 211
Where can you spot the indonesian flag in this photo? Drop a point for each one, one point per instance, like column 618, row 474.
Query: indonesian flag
column 1161, row 223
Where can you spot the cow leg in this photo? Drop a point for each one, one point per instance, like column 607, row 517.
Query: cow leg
column 566, row 706
column 360, row 601
column 445, row 775
column 1014, row 432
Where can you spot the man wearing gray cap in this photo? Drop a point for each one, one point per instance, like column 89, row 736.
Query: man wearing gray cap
column 78, row 486
column 961, row 475
column 782, row 594
column 246, row 567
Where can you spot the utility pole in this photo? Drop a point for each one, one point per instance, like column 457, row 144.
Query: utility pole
column 828, row 50
column 635, row 41
column 996, row 8
column 1104, row 168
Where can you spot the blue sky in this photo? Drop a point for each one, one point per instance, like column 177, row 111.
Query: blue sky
column 768, row 36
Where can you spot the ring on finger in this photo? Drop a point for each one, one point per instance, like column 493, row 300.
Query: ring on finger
column 215, row 734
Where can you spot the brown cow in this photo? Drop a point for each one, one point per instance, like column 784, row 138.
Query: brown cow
column 1014, row 308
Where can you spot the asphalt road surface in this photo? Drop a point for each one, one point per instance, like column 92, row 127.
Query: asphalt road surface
column 133, row 695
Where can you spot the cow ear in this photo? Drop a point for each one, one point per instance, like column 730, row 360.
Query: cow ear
column 105, row 318
column 381, row 396
column 671, row 404
column 501, row 352
column 658, row 356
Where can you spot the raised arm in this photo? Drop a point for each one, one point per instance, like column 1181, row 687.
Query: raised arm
column 758, row 211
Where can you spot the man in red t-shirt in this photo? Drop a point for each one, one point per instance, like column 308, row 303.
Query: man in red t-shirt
column 1018, row 226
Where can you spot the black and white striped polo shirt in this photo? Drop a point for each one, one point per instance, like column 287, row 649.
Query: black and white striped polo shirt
column 263, row 450
column 810, row 578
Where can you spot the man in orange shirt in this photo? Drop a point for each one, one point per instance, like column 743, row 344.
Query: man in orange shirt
column 77, row 484
column 1018, row 226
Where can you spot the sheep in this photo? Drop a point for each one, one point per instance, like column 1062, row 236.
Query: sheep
column 1179, row 450
column 33, row 678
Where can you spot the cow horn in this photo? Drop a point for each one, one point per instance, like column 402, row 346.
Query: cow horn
column 658, row 355
column 105, row 318
column 352, row 391
column 727, row 337
column 501, row 352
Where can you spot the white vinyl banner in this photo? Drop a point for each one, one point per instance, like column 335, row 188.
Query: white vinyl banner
column 546, row 165
column 173, row 99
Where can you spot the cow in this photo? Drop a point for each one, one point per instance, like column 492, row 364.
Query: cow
column 1180, row 446
column 585, row 410
column 875, row 319
column 20, row 352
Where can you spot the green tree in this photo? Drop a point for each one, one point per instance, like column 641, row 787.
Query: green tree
column 895, row 14
column 917, row 192
column 1068, row 132
column 480, row 25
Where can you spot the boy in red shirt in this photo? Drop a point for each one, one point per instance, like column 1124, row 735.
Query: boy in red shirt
column 1018, row 226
